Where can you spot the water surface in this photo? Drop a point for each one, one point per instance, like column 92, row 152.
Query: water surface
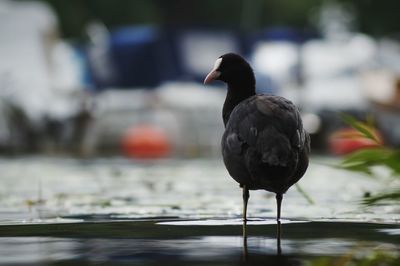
column 59, row 211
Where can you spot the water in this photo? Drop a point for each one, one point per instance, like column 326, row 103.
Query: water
column 59, row 211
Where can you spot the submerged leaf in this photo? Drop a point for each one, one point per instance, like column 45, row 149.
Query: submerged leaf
column 385, row 196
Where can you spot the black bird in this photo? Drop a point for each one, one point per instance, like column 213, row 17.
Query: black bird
column 264, row 145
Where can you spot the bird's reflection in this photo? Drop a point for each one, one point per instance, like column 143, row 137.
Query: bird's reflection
column 245, row 249
column 278, row 240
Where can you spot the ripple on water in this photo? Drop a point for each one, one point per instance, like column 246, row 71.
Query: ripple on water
column 221, row 222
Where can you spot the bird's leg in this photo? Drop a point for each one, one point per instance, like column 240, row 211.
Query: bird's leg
column 278, row 205
column 278, row 220
column 246, row 196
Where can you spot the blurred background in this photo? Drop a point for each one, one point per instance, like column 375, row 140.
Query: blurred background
column 99, row 78
column 92, row 91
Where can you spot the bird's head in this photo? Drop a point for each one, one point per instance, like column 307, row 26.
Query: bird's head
column 232, row 69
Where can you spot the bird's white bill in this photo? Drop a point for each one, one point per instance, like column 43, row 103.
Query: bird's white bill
column 214, row 74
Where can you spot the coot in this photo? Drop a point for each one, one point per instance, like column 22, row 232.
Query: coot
column 264, row 145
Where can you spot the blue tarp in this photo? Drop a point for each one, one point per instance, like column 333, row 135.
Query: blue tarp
column 146, row 56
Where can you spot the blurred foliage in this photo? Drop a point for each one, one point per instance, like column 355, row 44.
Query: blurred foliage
column 378, row 257
column 377, row 17
column 365, row 160
column 74, row 15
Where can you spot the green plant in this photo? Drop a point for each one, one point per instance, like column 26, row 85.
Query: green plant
column 365, row 159
column 376, row 257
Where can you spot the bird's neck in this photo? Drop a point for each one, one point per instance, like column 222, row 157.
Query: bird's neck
column 236, row 94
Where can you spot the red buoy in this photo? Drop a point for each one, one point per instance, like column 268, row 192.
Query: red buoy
column 348, row 140
column 145, row 141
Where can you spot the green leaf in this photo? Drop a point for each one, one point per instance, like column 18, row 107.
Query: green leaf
column 393, row 162
column 363, row 160
column 304, row 194
column 363, row 168
column 371, row 154
column 366, row 130
column 367, row 157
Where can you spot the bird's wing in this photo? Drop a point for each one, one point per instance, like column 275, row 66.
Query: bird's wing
column 269, row 126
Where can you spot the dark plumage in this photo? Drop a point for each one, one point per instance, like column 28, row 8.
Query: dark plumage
column 264, row 145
